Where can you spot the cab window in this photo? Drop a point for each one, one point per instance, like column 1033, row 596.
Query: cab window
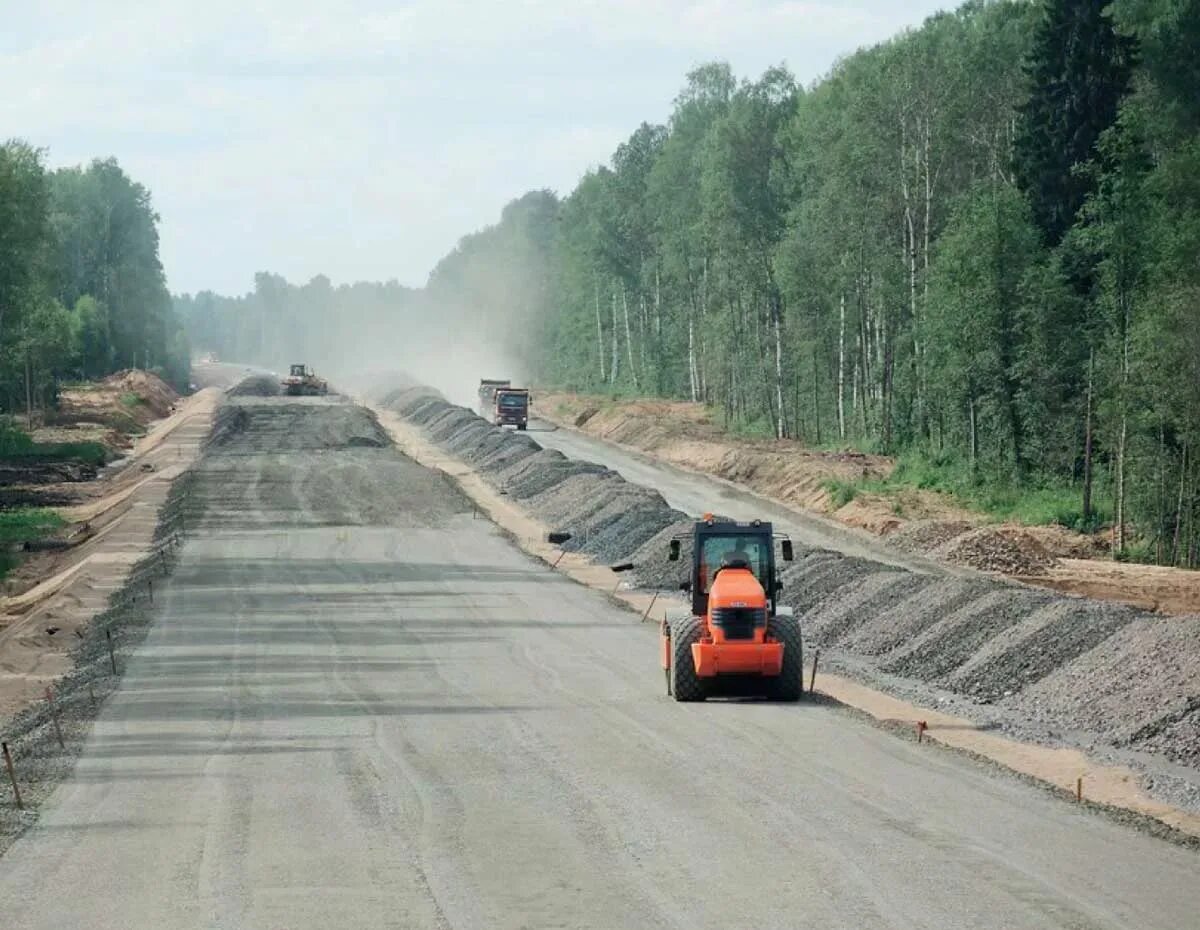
column 717, row 548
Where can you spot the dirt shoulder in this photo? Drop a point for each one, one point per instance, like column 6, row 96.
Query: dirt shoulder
column 1105, row 784
column 916, row 521
column 54, row 594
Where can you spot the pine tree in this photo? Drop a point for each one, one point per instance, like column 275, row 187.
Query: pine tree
column 1079, row 70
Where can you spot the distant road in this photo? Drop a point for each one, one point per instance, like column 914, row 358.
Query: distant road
column 358, row 707
column 223, row 375
column 696, row 494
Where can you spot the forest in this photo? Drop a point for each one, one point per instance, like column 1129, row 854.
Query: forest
column 973, row 247
column 82, row 290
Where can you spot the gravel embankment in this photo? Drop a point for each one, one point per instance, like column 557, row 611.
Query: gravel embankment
column 255, row 386
column 1038, row 665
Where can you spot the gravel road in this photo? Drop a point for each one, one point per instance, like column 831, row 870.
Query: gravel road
column 359, row 707
column 695, row 494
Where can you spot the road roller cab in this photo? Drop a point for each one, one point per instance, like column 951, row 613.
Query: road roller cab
column 736, row 633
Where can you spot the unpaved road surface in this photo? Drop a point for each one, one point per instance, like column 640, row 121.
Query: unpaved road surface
column 696, row 494
column 361, row 707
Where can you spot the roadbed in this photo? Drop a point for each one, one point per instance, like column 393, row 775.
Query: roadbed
column 1065, row 770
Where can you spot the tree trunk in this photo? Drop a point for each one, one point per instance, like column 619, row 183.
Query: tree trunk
column 1119, row 516
column 1087, row 444
column 647, row 328
column 615, row 361
column 816, row 396
column 1119, row 540
column 28, row 390
column 659, row 383
column 910, row 234
column 841, row 375
column 1162, row 494
column 600, row 337
column 701, row 372
column 629, row 337
column 974, row 434
column 1183, row 463
column 777, row 327
column 693, row 373
column 888, row 393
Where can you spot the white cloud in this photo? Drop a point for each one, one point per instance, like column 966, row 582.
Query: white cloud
column 361, row 139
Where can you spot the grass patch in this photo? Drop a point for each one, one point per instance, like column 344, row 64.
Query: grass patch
column 90, row 453
column 1039, row 501
column 758, row 428
column 16, row 446
column 131, row 401
column 17, row 526
column 841, row 492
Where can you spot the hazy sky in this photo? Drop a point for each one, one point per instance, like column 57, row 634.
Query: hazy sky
column 362, row 138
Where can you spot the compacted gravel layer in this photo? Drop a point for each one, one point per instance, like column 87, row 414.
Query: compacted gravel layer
column 1039, row 665
column 255, row 386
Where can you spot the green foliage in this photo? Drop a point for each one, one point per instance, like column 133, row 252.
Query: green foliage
column 979, row 324
column 82, row 291
column 972, row 246
column 1039, row 500
column 13, row 440
column 18, row 446
column 18, row 526
column 1079, row 70
column 841, row 492
column 28, row 523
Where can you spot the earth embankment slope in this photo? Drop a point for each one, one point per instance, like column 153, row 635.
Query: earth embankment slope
column 1026, row 661
column 911, row 520
column 347, row 715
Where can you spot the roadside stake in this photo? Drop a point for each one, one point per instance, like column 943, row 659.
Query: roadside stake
column 650, row 608
column 54, row 718
column 12, row 775
column 812, row 682
column 922, row 726
column 1079, row 790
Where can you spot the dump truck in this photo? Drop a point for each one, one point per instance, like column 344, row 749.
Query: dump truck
column 736, row 638
column 487, row 395
column 511, row 407
column 301, row 382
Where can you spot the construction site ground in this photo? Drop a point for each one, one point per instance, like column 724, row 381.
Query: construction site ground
column 360, row 704
column 1118, row 684
column 54, row 594
column 920, row 522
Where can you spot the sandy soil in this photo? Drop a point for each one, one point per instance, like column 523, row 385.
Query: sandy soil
column 683, row 434
column 56, row 594
column 1151, row 587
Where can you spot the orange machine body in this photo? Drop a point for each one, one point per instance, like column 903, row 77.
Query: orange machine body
column 735, row 634
column 735, row 637
column 734, row 641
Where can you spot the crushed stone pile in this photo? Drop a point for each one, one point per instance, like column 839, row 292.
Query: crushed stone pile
column 997, row 549
column 1047, row 666
column 1132, row 688
column 922, row 537
column 653, row 568
column 295, row 427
